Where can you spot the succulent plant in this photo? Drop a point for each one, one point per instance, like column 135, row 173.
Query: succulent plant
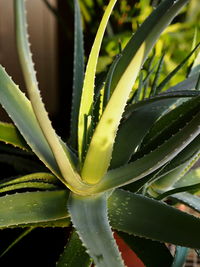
column 128, row 151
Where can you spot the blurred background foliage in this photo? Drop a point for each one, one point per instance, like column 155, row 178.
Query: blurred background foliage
column 174, row 45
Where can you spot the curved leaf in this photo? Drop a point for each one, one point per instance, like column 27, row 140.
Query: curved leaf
column 10, row 135
column 182, row 162
column 189, row 181
column 62, row 156
column 89, row 216
column 173, row 73
column 194, row 187
column 125, row 74
column 149, row 31
column 163, row 129
column 132, row 132
column 88, row 85
column 74, row 254
column 170, row 123
column 145, row 217
column 191, row 178
column 19, row 109
column 19, row 238
column 32, row 207
column 128, row 212
column 196, row 66
column 188, row 199
column 45, row 181
column 28, row 185
column 63, row 223
column 166, row 95
column 188, row 84
column 197, row 87
column 153, row 160
column 38, row 176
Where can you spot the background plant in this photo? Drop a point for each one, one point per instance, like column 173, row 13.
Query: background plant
column 182, row 35
column 148, row 163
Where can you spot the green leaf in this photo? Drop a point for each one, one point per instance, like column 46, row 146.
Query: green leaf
column 139, row 93
column 167, row 126
column 38, row 176
column 107, row 93
column 162, row 130
column 150, row 70
column 188, row 199
column 194, row 187
column 125, row 74
column 179, row 94
column 61, row 156
column 157, row 75
column 89, row 217
column 133, row 131
column 74, row 254
column 173, row 172
column 180, row 256
column 128, row 212
column 146, row 217
column 28, row 185
column 173, row 73
column 45, row 181
column 17, row 240
column 196, row 66
column 188, row 84
column 19, row 109
column 148, row 250
column 168, row 173
column 89, row 81
column 191, row 178
column 197, row 87
column 78, row 73
column 63, row 223
column 32, row 207
column 10, row 135
column 182, row 163
column 153, row 160
column 189, row 182
column 148, row 33
column 170, row 123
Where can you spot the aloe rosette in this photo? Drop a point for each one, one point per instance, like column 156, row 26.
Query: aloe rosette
column 123, row 159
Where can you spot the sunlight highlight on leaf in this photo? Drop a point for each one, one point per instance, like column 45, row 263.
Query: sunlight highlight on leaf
column 89, row 81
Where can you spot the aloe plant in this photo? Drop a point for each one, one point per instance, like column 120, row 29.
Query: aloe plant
column 125, row 156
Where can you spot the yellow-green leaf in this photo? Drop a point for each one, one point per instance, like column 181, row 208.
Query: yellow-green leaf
column 88, row 86
column 62, row 157
column 99, row 154
column 10, row 135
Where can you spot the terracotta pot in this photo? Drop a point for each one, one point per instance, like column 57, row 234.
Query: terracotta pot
column 129, row 257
